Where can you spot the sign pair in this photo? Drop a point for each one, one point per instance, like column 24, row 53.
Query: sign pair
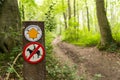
column 33, row 52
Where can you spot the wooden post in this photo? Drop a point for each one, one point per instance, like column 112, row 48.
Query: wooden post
column 34, row 71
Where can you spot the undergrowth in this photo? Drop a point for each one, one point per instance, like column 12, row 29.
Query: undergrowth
column 116, row 32
column 6, row 61
column 55, row 71
column 9, row 64
column 81, row 37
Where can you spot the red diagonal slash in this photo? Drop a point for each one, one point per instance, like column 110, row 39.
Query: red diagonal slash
column 35, row 50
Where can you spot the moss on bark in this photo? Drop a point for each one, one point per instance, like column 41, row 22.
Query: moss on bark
column 110, row 47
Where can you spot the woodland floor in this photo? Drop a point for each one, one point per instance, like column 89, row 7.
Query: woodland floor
column 89, row 61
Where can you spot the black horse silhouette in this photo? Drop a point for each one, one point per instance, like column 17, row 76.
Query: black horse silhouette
column 38, row 52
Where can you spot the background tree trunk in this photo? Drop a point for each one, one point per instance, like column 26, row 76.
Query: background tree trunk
column 69, row 10
column 65, row 20
column 64, row 15
column 78, row 12
column 74, row 6
column 88, row 20
column 106, row 36
column 9, row 19
column 106, row 6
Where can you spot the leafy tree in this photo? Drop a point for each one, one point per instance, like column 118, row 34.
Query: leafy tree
column 28, row 9
column 50, row 22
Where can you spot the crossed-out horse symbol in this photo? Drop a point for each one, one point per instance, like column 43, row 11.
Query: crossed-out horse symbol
column 31, row 50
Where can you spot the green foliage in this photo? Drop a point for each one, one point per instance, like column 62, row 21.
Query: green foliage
column 60, row 7
column 81, row 37
column 28, row 9
column 11, row 70
column 56, row 71
column 50, row 22
column 73, row 22
column 116, row 32
column 110, row 47
column 6, row 59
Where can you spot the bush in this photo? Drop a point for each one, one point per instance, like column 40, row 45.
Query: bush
column 81, row 37
column 116, row 32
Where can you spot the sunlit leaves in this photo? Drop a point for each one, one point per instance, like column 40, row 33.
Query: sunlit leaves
column 50, row 22
column 28, row 9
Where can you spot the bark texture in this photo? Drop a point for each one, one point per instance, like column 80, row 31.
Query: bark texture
column 64, row 15
column 106, row 35
column 9, row 16
column 9, row 19
column 88, row 20
column 74, row 6
column 69, row 10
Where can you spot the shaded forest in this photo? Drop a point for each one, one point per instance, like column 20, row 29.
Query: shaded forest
column 82, row 38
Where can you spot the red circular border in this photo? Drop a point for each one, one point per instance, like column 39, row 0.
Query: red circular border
column 35, row 62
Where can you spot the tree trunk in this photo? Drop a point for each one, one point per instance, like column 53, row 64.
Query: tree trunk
column 106, row 6
column 83, row 20
column 74, row 12
column 106, row 36
column 64, row 15
column 9, row 18
column 69, row 10
column 88, row 21
column 78, row 12
column 65, row 19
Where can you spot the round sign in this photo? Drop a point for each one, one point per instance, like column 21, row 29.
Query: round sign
column 33, row 52
column 32, row 33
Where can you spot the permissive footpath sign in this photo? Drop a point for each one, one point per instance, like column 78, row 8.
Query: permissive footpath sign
column 33, row 33
column 33, row 50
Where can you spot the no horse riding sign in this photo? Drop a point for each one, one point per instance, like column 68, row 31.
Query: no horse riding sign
column 33, row 51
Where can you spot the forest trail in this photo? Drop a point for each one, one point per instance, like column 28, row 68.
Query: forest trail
column 90, row 61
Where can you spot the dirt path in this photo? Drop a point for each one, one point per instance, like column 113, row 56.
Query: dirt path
column 90, row 62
